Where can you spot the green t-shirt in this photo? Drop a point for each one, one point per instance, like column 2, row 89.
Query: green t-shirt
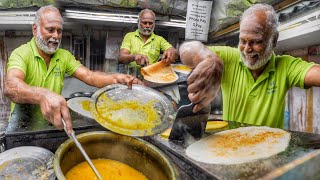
column 259, row 102
column 27, row 59
column 151, row 48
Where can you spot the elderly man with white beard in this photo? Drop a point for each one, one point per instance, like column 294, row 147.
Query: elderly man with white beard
column 253, row 80
column 36, row 70
column 142, row 47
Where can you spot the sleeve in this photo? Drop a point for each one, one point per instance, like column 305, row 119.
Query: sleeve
column 230, row 58
column 297, row 70
column 226, row 54
column 15, row 61
column 126, row 43
column 72, row 64
column 164, row 44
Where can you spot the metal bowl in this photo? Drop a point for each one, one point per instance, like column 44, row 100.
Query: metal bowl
column 134, row 152
column 143, row 94
column 150, row 83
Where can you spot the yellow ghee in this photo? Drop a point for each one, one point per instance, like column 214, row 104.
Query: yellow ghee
column 86, row 105
column 107, row 168
column 131, row 114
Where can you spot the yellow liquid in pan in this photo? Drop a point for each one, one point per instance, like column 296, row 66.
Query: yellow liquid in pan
column 108, row 169
column 131, row 114
column 86, row 105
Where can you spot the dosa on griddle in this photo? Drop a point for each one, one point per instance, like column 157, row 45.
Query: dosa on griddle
column 239, row 145
column 159, row 73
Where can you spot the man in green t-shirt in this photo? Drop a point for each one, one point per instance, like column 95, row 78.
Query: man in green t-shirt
column 142, row 47
column 36, row 70
column 253, row 80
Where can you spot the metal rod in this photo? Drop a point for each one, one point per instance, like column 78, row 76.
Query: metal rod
column 73, row 137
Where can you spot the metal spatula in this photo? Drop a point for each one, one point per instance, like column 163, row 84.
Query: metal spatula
column 73, row 137
column 189, row 125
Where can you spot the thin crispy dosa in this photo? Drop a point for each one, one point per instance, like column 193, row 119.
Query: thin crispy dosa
column 239, row 145
column 159, row 73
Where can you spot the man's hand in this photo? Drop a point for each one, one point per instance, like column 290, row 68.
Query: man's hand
column 141, row 59
column 126, row 79
column 169, row 56
column 204, row 83
column 54, row 108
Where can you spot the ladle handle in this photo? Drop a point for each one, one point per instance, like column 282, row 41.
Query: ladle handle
column 73, row 137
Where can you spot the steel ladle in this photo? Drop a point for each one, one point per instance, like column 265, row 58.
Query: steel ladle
column 73, row 137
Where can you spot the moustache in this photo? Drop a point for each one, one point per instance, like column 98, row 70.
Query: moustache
column 55, row 41
column 250, row 54
column 147, row 29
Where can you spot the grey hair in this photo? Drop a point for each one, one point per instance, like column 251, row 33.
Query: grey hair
column 272, row 18
column 40, row 13
column 144, row 11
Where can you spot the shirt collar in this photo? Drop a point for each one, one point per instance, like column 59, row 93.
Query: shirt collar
column 35, row 48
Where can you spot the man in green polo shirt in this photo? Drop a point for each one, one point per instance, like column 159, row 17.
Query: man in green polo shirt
column 142, row 47
column 254, row 81
column 36, row 70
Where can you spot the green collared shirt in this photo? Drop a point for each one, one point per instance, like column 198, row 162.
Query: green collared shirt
column 27, row 59
column 151, row 48
column 261, row 101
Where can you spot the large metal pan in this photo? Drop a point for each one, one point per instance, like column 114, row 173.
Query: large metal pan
column 134, row 152
column 142, row 94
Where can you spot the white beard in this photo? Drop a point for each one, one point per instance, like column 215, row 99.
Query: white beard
column 145, row 31
column 262, row 59
column 43, row 44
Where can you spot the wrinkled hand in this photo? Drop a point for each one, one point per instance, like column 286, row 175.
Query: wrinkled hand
column 54, row 108
column 141, row 59
column 204, row 83
column 126, row 79
column 169, row 56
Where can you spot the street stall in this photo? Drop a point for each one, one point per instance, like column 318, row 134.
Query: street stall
column 107, row 121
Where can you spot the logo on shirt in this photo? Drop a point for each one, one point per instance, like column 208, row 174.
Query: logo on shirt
column 57, row 71
column 272, row 88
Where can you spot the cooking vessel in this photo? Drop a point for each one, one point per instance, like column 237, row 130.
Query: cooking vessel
column 134, row 152
column 142, row 94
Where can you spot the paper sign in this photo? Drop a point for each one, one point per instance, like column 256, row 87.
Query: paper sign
column 198, row 20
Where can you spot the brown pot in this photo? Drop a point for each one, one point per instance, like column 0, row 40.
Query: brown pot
column 134, row 152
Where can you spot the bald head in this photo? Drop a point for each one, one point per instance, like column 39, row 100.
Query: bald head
column 42, row 11
column 147, row 11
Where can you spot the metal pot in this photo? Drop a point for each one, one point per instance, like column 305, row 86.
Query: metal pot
column 134, row 152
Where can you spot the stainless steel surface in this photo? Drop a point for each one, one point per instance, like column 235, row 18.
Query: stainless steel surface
column 143, row 94
column 134, row 152
column 83, row 152
column 27, row 162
